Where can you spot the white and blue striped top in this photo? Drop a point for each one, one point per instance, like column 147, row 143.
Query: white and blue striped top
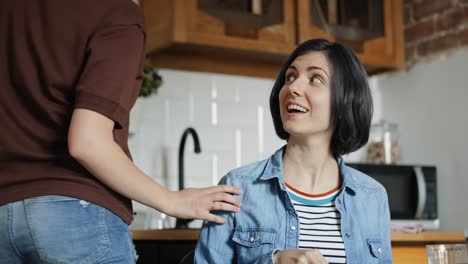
column 320, row 223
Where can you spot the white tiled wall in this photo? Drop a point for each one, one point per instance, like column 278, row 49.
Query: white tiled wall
column 223, row 109
column 231, row 115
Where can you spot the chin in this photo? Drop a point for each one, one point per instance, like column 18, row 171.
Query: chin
column 301, row 132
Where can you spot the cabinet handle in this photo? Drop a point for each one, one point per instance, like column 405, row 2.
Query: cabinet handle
column 257, row 7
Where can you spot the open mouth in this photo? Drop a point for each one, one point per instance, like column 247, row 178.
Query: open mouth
column 294, row 108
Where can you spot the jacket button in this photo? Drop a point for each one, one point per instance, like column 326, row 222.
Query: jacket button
column 379, row 250
column 338, row 201
column 293, row 228
column 348, row 235
column 252, row 239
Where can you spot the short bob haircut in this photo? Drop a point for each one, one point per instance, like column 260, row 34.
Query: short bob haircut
column 351, row 100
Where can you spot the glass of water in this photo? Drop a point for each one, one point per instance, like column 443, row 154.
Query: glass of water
column 447, row 254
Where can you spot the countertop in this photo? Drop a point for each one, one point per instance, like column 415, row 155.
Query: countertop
column 192, row 234
column 428, row 237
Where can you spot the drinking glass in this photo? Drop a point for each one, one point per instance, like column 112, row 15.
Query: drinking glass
column 447, row 254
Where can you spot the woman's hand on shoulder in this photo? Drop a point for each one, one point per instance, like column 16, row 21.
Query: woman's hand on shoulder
column 299, row 256
column 196, row 203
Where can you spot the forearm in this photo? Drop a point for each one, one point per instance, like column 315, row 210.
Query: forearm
column 109, row 164
column 91, row 143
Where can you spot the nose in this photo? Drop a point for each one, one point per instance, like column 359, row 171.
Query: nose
column 296, row 88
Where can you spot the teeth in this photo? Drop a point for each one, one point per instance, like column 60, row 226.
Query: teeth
column 297, row 107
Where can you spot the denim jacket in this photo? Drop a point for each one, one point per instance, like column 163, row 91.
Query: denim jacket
column 268, row 222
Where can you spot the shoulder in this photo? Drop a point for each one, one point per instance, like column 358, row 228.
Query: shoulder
column 248, row 173
column 362, row 182
column 121, row 13
column 257, row 175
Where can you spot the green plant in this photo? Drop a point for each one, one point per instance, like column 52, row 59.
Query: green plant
column 151, row 81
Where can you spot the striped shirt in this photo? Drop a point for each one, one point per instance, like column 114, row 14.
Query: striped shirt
column 320, row 223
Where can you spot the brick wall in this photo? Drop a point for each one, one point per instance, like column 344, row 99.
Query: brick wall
column 434, row 26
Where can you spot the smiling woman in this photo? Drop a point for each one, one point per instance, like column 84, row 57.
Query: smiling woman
column 303, row 204
column 306, row 85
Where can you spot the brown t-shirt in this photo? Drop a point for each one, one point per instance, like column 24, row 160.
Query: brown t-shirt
column 55, row 56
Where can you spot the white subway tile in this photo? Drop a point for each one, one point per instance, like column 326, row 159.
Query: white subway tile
column 200, row 85
column 202, row 112
column 197, row 182
column 256, row 92
column 272, row 141
column 227, row 162
column 237, row 115
column 197, row 164
column 238, row 146
column 249, row 146
column 175, row 84
column 152, row 109
column 186, row 99
column 216, row 138
column 228, row 88
column 234, row 88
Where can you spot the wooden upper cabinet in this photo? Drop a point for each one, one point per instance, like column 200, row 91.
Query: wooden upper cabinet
column 250, row 37
column 372, row 28
column 254, row 37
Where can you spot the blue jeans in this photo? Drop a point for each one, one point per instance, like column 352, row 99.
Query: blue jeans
column 59, row 229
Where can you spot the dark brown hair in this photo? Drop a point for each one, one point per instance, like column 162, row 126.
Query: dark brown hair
column 351, row 99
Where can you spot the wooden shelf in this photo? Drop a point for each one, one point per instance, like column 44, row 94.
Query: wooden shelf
column 397, row 238
column 428, row 237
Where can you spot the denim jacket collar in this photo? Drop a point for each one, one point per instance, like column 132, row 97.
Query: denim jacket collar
column 274, row 169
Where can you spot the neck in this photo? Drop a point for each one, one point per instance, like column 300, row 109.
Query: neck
column 309, row 166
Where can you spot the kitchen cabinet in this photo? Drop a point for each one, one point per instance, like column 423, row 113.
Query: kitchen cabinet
column 255, row 26
column 242, row 37
column 254, row 37
column 372, row 28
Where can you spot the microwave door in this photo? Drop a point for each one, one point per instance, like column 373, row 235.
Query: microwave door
column 421, row 185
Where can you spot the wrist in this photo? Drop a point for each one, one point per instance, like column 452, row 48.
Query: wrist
column 164, row 201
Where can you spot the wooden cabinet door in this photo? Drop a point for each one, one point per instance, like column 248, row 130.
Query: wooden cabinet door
column 251, row 25
column 321, row 19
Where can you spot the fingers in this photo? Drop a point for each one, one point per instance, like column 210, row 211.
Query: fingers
column 220, row 206
column 218, row 198
column 221, row 193
column 303, row 259
column 226, row 189
column 226, row 198
column 214, row 218
column 314, row 256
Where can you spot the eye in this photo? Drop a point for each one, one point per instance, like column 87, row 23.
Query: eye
column 316, row 79
column 290, row 77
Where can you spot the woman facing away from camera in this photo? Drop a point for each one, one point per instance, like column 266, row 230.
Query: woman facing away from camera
column 303, row 204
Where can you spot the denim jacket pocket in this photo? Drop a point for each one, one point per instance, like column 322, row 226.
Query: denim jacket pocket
column 253, row 237
column 253, row 243
column 375, row 247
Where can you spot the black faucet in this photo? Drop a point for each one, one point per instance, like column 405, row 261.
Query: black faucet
column 183, row 223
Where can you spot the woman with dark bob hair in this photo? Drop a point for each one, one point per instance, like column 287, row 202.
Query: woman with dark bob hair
column 303, row 204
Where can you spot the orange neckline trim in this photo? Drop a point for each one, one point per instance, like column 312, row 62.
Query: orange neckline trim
column 315, row 195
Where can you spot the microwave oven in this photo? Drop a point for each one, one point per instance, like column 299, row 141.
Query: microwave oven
column 411, row 190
